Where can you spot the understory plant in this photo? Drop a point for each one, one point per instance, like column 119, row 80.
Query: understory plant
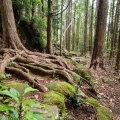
column 77, row 101
column 15, row 107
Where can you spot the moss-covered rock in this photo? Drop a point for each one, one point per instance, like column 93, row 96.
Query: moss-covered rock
column 94, row 102
column 62, row 87
column 76, row 78
column 48, row 113
column 20, row 87
column 55, row 98
column 102, row 112
column 2, row 76
column 82, row 71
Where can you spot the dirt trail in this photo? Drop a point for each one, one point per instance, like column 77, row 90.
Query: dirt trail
column 108, row 87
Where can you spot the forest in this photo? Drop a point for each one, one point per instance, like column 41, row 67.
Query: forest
column 59, row 59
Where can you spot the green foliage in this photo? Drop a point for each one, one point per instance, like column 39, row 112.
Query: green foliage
column 2, row 76
column 20, row 87
column 93, row 82
column 77, row 101
column 35, row 25
column 23, row 109
column 39, row 26
column 107, row 80
column 62, row 87
column 69, row 61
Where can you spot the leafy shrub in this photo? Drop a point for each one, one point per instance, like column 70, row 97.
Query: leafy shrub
column 22, row 111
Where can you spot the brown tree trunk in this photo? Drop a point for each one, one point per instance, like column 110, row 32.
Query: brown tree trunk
column 61, row 35
column 73, row 28
column 97, row 56
column 91, row 27
column 68, row 27
column 85, row 26
column 118, row 55
column 66, row 38
column 109, row 28
column 10, row 36
column 42, row 1
column 49, row 27
column 112, row 27
column 115, row 31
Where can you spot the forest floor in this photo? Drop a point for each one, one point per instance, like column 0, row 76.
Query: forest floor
column 108, row 88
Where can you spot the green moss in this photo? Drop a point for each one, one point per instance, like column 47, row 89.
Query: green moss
column 20, row 87
column 72, row 53
column 69, row 61
column 62, row 87
column 76, row 77
column 55, row 98
column 94, row 102
column 103, row 113
column 2, row 76
column 107, row 80
column 2, row 87
column 82, row 71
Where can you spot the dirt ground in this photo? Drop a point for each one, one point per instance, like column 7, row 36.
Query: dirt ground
column 109, row 90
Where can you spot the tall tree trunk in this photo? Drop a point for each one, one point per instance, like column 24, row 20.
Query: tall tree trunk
column 33, row 8
column 10, row 36
column 91, row 27
column 61, row 35
column 68, row 27
column 118, row 55
column 97, row 56
column 115, row 30
column 73, row 28
column 85, row 26
column 109, row 27
column 112, row 27
column 49, row 27
column 42, row 1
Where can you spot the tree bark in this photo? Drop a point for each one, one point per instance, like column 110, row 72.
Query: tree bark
column 91, row 27
column 49, row 27
column 73, row 28
column 115, row 30
column 118, row 55
column 61, row 35
column 97, row 56
column 10, row 36
column 112, row 27
column 43, row 10
column 85, row 26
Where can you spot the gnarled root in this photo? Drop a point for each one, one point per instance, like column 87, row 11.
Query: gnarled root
column 21, row 62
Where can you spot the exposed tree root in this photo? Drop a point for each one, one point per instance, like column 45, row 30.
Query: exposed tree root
column 33, row 81
column 20, row 63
